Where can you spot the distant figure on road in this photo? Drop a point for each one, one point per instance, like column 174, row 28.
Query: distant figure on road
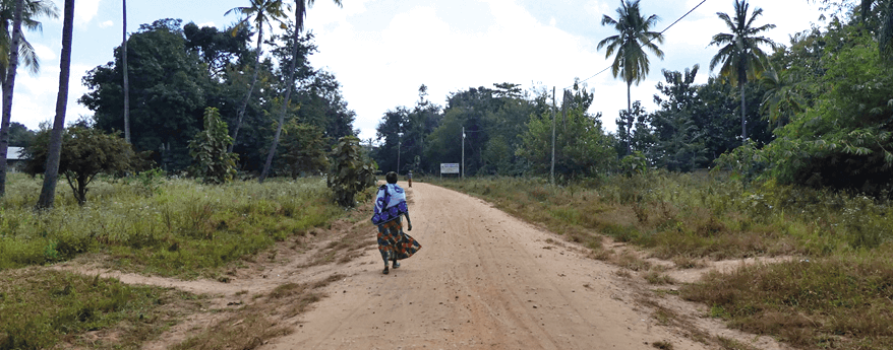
column 409, row 177
column 390, row 205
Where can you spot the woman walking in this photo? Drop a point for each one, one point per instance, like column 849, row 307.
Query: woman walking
column 390, row 205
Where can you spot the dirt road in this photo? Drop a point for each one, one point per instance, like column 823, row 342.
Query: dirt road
column 483, row 279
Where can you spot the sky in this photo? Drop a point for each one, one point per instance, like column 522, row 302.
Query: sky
column 383, row 50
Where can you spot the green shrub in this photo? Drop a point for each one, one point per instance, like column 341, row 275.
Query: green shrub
column 351, row 171
column 210, row 160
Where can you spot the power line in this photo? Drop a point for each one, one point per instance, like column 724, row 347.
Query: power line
column 649, row 41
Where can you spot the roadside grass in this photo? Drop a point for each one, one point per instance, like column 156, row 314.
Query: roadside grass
column 166, row 227
column 693, row 216
column 40, row 309
column 838, row 296
column 269, row 317
column 834, row 302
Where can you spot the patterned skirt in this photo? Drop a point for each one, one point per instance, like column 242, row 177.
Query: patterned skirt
column 393, row 243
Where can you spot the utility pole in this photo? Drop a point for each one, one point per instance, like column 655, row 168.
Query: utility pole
column 552, row 176
column 399, row 148
column 463, row 152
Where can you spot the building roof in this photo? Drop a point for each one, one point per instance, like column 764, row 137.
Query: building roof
column 16, row 153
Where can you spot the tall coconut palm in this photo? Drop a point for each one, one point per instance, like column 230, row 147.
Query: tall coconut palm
column 25, row 54
column 125, row 72
column 8, row 86
column 50, row 177
column 261, row 13
column 631, row 61
column 31, row 11
column 300, row 14
column 740, row 52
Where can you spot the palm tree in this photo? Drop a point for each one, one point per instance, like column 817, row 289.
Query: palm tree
column 24, row 53
column 31, row 10
column 50, row 177
column 631, row 61
column 261, row 13
column 740, row 52
column 8, row 85
column 781, row 100
column 126, row 80
column 300, row 14
column 885, row 33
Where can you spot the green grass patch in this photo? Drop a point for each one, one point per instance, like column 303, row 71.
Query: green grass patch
column 40, row 309
column 165, row 227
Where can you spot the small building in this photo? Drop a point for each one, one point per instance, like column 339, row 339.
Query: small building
column 15, row 159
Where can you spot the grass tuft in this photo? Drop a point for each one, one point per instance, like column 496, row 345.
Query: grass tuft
column 662, row 345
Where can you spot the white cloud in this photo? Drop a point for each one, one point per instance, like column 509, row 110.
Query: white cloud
column 44, row 53
column 382, row 70
column 207, row 24
column 85, row 11
column 35, row 96
column 106, row 24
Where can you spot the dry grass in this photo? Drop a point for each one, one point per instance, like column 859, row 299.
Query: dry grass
column 268, row 317
column 662, row 345
column 732, row 344
column 657, row 278
column 629, row 260
column 831, row 302
column 349, row 238
column 684, row 262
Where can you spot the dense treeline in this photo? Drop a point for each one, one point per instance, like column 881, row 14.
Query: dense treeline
column 177, row 71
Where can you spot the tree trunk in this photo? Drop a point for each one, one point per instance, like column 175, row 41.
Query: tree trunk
column 48, row 193
column 126, row 78
column 743, row 115
column 8, row 87
column 260, row 35
column 629, row 121
column 290, row 81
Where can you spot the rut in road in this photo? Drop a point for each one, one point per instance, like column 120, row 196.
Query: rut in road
column 481, row 279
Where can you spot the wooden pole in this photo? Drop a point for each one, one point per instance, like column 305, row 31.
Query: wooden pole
column 463, row 152
column 552, row 175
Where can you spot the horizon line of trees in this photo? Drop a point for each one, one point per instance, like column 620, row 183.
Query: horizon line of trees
column 816, row 112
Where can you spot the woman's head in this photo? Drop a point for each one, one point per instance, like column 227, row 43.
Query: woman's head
column 391, row 177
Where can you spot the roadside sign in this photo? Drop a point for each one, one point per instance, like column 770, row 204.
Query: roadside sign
column 449, row 168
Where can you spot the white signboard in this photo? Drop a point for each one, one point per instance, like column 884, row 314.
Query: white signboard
column 449, row 168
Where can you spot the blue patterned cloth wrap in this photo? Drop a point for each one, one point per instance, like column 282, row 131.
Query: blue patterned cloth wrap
column 390, row 203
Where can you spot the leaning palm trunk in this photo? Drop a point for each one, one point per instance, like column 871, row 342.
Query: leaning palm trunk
column 260, row 35
column 290, row 81
column 48, row 193
column 8, row 86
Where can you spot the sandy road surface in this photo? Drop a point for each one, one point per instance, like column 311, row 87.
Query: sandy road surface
column 482, row 280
